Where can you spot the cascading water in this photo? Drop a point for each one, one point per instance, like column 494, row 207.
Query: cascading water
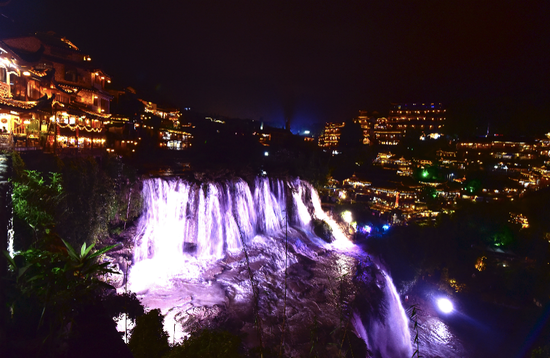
column 188, row 254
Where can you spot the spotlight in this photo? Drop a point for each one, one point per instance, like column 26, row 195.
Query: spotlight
column 445, row 305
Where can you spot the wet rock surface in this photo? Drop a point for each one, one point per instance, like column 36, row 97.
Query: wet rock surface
column 312, row 311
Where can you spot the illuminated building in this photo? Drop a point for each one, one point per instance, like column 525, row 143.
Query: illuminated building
column 62, row 95
column 498, row 153
column 384, row 134
column 410, row 120
column 356, row 183
column 448, row 159
column 367, row 125
column 377, row 129
column 331, row 134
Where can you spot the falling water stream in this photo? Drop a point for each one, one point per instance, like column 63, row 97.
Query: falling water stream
column 188, row 261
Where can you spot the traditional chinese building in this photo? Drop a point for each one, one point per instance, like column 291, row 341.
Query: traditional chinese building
column 61, row 94
column 136, row 123
column 331, row 134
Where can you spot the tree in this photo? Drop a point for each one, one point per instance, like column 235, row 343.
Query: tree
column 351, row 135
column 149, row 339
column 35, row 200
column 48, row 290
column 207, row 343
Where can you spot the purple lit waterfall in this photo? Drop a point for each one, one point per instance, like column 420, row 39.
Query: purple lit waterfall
column 188, row 256
column 211, row 217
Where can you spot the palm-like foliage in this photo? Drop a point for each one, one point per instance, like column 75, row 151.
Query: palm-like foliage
column 48, row 289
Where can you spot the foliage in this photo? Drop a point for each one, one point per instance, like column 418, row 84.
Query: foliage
column 413, row 316
column 429, row 173
column 429, row 195
column 18, row 165
column 49, row 288
column 208, row 343
column 91, row 204
column 541, row 352
column 126, row 303
column 351, row 135
column 36, row 200
column 473, row 186
column 82, row 202
column 148, row 339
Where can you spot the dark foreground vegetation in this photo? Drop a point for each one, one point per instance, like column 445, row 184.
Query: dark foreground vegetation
column 56, row 302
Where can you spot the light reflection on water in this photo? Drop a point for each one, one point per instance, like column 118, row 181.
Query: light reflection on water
column 439, row 331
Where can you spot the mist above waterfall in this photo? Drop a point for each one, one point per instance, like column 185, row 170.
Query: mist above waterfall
column 198, row 243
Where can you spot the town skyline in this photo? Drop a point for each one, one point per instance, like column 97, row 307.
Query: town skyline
column 316, row 62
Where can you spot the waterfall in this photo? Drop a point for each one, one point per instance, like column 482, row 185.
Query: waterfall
column 187, row 228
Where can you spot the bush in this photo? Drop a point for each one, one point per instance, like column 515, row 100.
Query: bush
column 149, row 339
column 208, row 343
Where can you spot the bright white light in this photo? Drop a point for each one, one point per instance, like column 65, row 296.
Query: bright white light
column 445, row 305
column 266, row 154
column 346, row 216
column 368, row 229
column 386, row 227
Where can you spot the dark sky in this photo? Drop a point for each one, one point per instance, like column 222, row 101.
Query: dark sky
column 317, row 61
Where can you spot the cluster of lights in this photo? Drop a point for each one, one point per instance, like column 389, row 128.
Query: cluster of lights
column 18, row 104
column 81, row 140
column 366, row 229
column 74, row 127
column 519, row 219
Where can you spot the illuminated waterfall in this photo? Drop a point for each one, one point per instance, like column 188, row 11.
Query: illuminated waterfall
column 188, row 227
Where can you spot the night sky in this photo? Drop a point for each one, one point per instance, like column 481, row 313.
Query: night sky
column 316, row 61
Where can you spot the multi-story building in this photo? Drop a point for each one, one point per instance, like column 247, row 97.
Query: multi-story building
column 137, row 123
column 411, row 120
column 405, row 120
column 60, row 92
column 331, row 134
column 499, row 153
column 384, row 134
column 366, row 121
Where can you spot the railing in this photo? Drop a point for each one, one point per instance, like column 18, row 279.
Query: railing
column 25, row 149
